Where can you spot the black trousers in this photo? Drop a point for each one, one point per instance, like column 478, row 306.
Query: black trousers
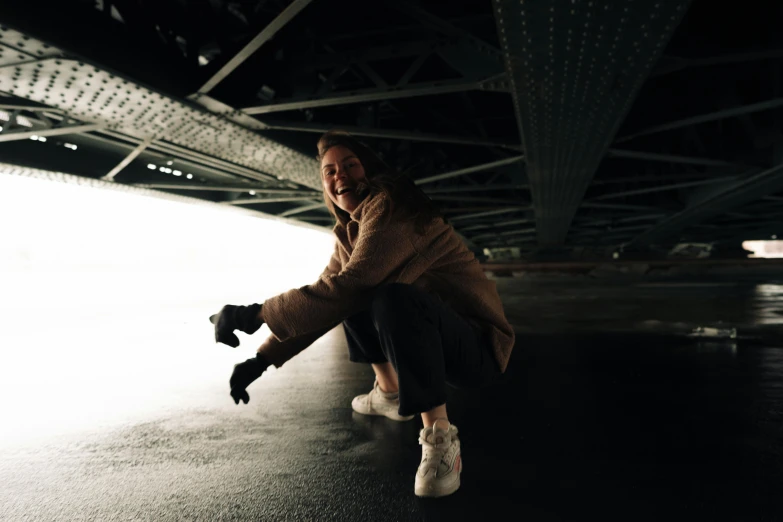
column 427, row 343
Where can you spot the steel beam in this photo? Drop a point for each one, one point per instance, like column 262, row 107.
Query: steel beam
column 441, row 25
column 672, row 64
column 254, row 44
column 215, row 165
column 110, row 100
column 507, row 233
column 611, row 231
column 312, row 63
column 469, row 170
column 55, row 131
column 473, row 199
column 670, row 158
column 413, row 69
column 386, row 133
column 494, row 212
column 389, row 93
column 743, row 191
column 505, row 187
column 637, row 179
column 506, row 223
column 618, row 206
column 225, row 188
column 662, row 188
column 602, row 221
column 252, row 201
column 30, row 108
column 576, row 69
column 128, row 159
column 299, row 210
column 704, row 118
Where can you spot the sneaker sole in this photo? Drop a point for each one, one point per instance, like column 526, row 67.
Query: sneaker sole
column 391, row 416
column 376, row 414
column 437, row 490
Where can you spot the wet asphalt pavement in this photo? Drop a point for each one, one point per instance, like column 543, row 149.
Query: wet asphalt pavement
column 586, row 426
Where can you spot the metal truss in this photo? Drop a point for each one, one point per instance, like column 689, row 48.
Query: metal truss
column 705, row 118
column 575, row 70
column 507, row 118
column 725, row 199
column 494, row 83
column 264, row 36
column 387, row 133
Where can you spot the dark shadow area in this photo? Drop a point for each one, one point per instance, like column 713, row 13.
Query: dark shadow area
column 622, row 427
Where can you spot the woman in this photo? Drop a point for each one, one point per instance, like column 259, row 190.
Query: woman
column 412, row 298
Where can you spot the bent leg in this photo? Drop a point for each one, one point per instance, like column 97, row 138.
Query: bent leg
column 365, row 347
column 429, row 344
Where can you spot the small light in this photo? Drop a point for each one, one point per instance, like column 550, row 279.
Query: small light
column 167, row 171
column 616, row 255
column 189, row 176
column 151, row 166
column 774, row 236
column 34, row 138
column 252, row 192
column 177, row 172
column 169, row 163
column 41, row 138
column 162, row 169
column 1, row 129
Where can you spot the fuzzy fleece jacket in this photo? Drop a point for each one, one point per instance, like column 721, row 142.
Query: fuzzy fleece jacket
column 376, row 248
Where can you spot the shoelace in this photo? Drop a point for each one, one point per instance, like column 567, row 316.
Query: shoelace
column 376, row 390
column 432, row 452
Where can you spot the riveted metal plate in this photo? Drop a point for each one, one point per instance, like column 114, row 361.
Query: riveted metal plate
column 16, row 47
column 91, row 94
column 575, row 68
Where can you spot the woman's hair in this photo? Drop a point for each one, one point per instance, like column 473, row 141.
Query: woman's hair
column 405, row 196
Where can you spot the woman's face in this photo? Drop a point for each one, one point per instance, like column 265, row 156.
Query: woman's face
column 341, row 172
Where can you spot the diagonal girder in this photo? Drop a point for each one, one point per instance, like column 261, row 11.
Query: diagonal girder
column 575, row 69
column 264, row 36
column 726, row 198
column 492, row 83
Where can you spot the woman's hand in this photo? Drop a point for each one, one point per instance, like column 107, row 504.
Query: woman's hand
column 245, row 373
column 231, row 317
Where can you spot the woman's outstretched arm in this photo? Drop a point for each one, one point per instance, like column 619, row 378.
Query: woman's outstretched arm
column 384, row 252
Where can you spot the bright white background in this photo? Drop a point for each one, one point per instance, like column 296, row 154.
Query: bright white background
column 105, row 298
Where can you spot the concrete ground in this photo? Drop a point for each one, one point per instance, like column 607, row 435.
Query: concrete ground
column 619, row 423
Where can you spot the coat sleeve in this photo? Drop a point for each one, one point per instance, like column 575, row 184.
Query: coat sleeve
column 278, row 352
column 383, row 252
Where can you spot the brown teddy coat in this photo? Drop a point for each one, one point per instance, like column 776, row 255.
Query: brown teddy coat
column 377, row 247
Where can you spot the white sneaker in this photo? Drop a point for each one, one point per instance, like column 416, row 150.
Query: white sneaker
column 378, row 402
column 441, row 462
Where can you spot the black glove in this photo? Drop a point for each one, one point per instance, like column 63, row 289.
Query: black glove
column 245, row 373
column 230, row 318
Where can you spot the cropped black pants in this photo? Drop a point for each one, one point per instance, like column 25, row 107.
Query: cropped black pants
column 427, row 343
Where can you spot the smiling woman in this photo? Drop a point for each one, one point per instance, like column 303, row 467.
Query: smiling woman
column 413, row 301
column 110, row 288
